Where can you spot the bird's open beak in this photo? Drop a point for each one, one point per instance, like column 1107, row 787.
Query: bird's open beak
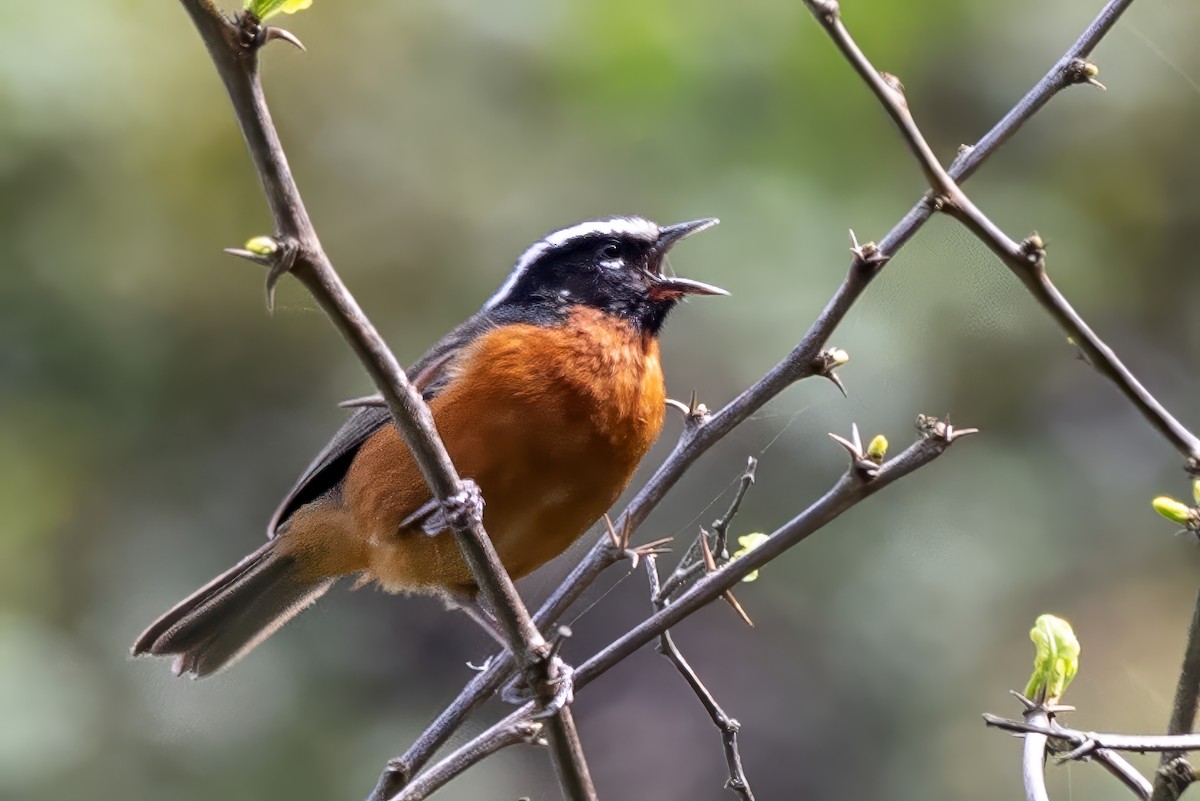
column 670, row 287
column 668, row 236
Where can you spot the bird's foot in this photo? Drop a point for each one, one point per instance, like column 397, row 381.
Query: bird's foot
column 561, row 683
column 460, row 511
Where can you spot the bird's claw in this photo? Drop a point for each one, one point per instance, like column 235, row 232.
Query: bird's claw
column 563, row 684
column 464, row 508
column 459, row 512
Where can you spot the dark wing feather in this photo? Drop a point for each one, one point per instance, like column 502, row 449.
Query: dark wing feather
column 330, row 465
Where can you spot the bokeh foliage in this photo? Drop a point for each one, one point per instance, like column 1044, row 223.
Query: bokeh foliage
column 152, row 412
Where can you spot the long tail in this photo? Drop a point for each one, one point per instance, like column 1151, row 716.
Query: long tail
column 224, row 619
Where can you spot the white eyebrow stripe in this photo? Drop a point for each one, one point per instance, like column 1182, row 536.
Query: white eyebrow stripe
column 625, row 226
column 527, row 258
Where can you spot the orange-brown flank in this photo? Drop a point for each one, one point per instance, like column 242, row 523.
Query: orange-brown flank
column 551, row 422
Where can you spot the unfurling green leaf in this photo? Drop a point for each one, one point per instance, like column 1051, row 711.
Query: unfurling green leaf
column 1056, row 657
column 265, row 9
column 877, row 449
column 1196, row 490
column 1173, row 510
column 749, row 542
column 262, row 245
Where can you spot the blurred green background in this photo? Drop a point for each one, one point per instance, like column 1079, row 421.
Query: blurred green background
column 151, row 412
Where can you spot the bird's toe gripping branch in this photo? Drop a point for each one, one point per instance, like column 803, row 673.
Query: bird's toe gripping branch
column 559, row 681
column 562, row 682
column 459, row 512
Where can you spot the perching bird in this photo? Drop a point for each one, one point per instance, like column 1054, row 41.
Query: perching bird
column 548, row 398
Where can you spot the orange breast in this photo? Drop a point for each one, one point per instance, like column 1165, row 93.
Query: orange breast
column 551, row 422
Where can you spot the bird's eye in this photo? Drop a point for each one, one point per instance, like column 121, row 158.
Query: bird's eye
column 610, row 251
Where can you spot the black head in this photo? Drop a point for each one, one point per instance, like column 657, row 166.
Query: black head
column 613, row 265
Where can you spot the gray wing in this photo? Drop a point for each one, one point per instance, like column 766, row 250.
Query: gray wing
column 327, row 470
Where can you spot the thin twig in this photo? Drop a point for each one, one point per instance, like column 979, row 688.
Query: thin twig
column 691, row 563
column 687, row 569
column 1027, row 259
column 233, row 46
column 1033, row 756
column 800, row 363
column 1167, row 785
column 515, row 729
column 727, row 726
column 720, row 526
column 1089, row 745
column 1124, row 772
column 1174, row 744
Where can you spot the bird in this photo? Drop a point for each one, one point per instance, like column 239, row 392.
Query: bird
column 547, row 398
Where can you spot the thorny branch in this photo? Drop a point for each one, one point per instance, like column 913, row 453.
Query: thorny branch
column 1033, row 756
column 727, row 726
column 1088, row 742
column 720, row 526
column 1174, row 772
column 692, row 563
column 1102, row 748
column 1026, row 259
column 854, row 486
column 701, row 430
column 1041, row 734
column 233, row 46
column 515, row 729
column 300, row 252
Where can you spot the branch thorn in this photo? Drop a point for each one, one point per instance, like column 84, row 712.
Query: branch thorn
column 277, row 254
column 250, row 255
column 695, row 413
column 286, row 36
column 852, row 445
column 285, row 259
column 710, row 565
column 826, row 361
column 1081, row 71
column 933, row 428
column 868, row 253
